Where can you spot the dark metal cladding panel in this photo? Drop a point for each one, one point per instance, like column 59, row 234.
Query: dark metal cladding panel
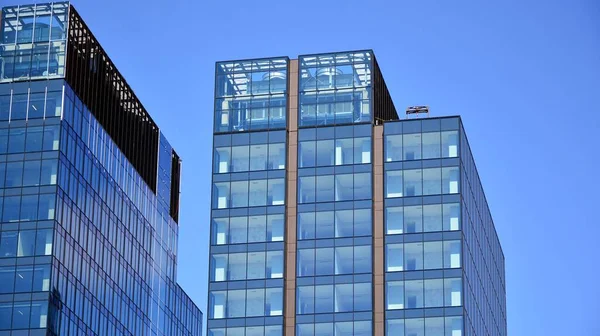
column 383, row 106
column 175, row 181
column 100, row 86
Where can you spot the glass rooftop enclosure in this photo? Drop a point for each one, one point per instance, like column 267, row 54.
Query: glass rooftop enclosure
column 33, row 41
column 333, row 89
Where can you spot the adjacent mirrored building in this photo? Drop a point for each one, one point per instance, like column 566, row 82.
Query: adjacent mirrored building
column 89, row 190
column 333, row 216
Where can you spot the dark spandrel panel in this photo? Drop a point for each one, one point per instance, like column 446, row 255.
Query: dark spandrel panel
column 100, row 86
column 175, row 180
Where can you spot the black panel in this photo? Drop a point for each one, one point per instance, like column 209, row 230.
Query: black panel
column 175, row 180
column 100, row 86
column 383, row 106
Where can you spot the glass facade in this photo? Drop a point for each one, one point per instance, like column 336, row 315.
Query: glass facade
column 86, row 246
column 354, row 221
column 248, row 199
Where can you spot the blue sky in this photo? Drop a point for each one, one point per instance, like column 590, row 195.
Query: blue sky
column 524, row 75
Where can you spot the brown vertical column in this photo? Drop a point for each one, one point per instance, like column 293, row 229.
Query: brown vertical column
column 378, row 246
column 289, row 312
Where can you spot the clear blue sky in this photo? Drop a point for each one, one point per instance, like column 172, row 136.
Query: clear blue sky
column 525, row 76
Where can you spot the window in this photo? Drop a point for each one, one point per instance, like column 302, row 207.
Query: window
column 393, row 183
column 393, row 148
column 449, row 144
column 395, row 257
column 450, row 177
column 412, row 146
column 431, row 145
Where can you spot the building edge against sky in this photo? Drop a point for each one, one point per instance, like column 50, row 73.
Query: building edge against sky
column 89, row 190
column 333, row 216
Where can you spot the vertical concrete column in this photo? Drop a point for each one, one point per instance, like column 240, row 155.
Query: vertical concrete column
column 291, row 202
column 378, row 234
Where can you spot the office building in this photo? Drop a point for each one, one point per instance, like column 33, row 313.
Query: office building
column 89, row 190
column 331, row 215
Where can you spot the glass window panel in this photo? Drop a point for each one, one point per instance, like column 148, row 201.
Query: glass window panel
column 362, row 222
column 51, row 137
column 34, row 139
column 275, row 228
column 306, row 225
column 434, row 326
column 451, row 217
column 276, row 156
column 240, row 158
column 275, row 264
column 434, row 293
column 450, row 178
column 46, row 207
column 432, row 218
column 49, row 172
column 325, row 224
column 413, row 256
column 255, row 331
column 415, row 327
column 19, row 103
column 26, row 246
column 432, row 181
column 255, row 300
column 413, row 182
column 454, row 326
column 24, row 279
column 31, row 173
column 306, row 262
column 394, row 257
column 256, row 265
column 412, row 146
column 452, row 254
column 344, row 151
column 325, row 191
column 324, row 299
column 306, row 190
column 3, row 141
column 236, row 303
column 238, row 230
column 433, row 255
column 362, row 296
column 8, row 243
column 258, row 192
column 394, row 220
column 344, row 186
column 413, row 294
column 393, row 183
column 29, row 207
column 237, row 266
column 12, row 205
column 257, row 229
column 258, row 157
column 276, row 192
column 21, row 314
column 16, row 141
column 239, row 193
column 239, row 331
column 413, row 219
column 41, row 278
column 305, row 330
column 362, row 150
column 344, row 223
column 14, row 174
column 394, row 295
column 325, row 153
column 450, row 144
column 362, row 259
column 221, row 197
column 307, row 154
column 362, row 186
column 220, row 231
column 324, row 261
column 218, row 270
column 7, row 280
column 306, row 300
column 222, row 160
column 343, row 298
column 393, row 148
column 431, row 145
column 344, row 258
column 274, row 302
column 452, row 292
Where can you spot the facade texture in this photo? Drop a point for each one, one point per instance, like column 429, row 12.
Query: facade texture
column 89, row 190
column 331, row 216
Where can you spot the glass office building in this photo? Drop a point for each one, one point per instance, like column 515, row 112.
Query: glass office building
column 89, row 190
column 333, row 216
